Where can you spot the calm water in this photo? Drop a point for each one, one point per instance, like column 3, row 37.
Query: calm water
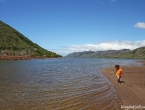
column 57, row 84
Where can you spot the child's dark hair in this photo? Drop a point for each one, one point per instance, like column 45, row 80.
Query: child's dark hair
column 117, row 66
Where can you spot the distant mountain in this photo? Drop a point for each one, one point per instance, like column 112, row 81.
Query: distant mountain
column 14, row 43
column 139, row 52
column 124, row 53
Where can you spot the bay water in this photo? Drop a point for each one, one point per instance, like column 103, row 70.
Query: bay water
column 58, row 84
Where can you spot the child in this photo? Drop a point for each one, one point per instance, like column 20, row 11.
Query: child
column 118, row 73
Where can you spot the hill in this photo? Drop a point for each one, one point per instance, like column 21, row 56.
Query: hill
column 13, row 43
column 124, row 53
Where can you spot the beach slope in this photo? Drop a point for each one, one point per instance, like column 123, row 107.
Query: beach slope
column 132, row 89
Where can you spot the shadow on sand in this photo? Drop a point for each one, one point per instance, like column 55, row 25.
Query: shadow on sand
column 121, row 82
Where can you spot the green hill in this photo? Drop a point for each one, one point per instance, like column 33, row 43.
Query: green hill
column 139, row 52
column 14, row 43
column 124, row 53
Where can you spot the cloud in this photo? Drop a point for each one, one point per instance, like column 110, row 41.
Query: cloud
column 111, row 45
column 140, row 25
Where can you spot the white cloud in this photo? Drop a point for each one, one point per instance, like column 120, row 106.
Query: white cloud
column 140, row 25
column 112, row 45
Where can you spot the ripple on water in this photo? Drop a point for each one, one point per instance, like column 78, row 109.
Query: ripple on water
column 71, row 84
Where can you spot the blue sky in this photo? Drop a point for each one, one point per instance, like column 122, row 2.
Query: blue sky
column 66, row 26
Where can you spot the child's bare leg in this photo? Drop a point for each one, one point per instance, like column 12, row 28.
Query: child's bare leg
column 118, row 79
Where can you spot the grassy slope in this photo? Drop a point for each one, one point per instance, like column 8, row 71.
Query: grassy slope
column 13, row 42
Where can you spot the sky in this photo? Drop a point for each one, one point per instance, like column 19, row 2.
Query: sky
column 67, row 26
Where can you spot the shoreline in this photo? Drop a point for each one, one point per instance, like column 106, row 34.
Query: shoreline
column 131, row 91
column 11, row 57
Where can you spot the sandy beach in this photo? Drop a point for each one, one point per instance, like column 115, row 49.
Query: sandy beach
column 131, row 91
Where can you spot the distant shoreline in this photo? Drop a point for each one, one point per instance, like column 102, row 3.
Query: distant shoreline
column 11, row 57
column 131, row 93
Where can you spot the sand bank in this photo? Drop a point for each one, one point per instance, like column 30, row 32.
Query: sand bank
column 132, row 89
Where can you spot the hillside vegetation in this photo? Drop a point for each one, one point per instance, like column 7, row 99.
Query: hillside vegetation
column 124, row 53
column 14, row 43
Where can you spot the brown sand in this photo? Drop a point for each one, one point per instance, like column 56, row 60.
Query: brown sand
column 132, row 89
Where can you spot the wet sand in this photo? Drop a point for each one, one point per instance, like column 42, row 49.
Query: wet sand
column 132, row 89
